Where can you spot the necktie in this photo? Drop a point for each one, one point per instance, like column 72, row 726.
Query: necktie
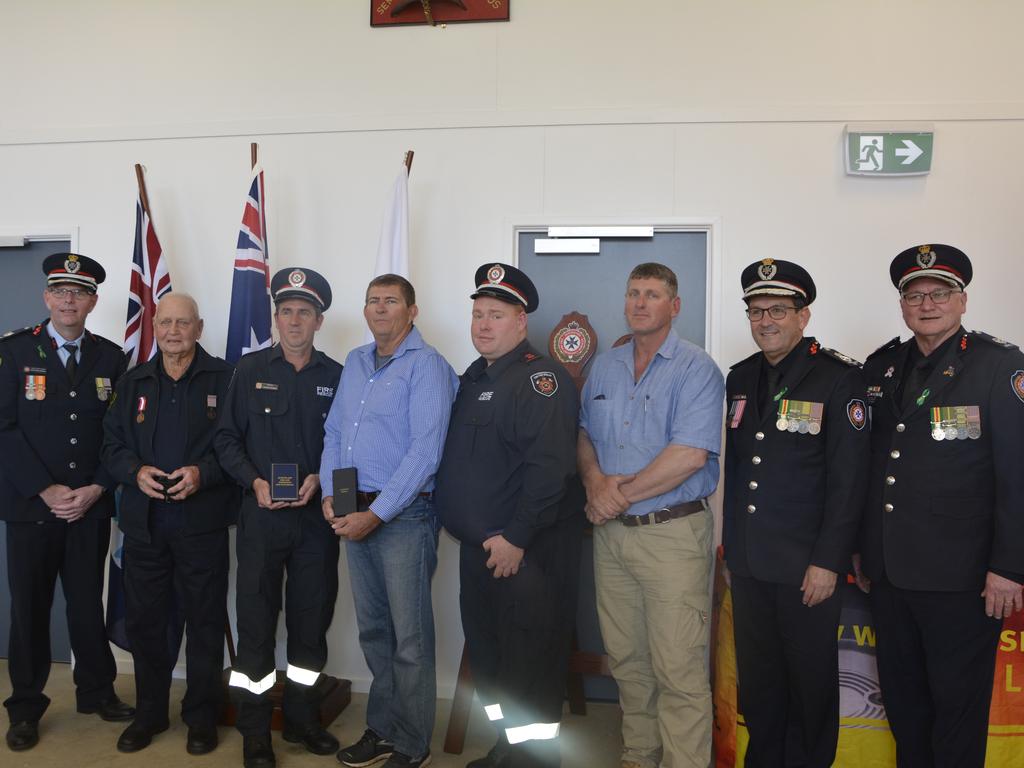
column 773, row 376
column 72, row 364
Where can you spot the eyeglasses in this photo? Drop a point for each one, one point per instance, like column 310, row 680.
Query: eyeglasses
column 941, row 296
column 74, row 293
column 775, row 312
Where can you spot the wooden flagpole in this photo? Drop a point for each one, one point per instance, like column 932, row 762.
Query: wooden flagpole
column 254, row 149
column 141, row 178
column 408, row 161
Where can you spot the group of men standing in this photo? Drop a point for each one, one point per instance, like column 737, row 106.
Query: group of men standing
column 900, row 471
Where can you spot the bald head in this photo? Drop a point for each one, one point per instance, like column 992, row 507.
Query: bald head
column 177, row 325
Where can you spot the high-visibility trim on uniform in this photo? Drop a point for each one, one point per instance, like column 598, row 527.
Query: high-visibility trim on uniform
column 493, row 712
column 532, row 732
column 238, row 680
column 302, row 676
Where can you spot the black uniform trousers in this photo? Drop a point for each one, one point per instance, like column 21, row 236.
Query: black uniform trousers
column 196, row 569
column 269, row 543
column 787, row 660
column 37, row 552
column 518, row 632
column 936, row 660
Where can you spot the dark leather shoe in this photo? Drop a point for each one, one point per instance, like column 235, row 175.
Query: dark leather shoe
column 498, row 757
column 137, row 736
column 314, row 738
column 113, row 710
column 201, row 739
column 22, row 736
column 257, row 752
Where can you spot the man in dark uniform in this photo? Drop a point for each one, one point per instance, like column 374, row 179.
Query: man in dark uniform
column 505, row 490
column 796, row 462
column 176, row 506
column 942, row 539
column 272, row 431
column 55, row 381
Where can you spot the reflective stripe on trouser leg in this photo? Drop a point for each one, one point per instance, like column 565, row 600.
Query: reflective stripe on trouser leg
column 246, row 683
column 532, row 732
column 302, row 676
column 493, row 712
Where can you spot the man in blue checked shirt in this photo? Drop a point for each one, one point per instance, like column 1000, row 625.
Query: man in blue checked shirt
column 389, row 421
column 650, row 437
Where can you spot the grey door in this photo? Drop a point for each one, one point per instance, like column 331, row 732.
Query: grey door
column 22, row 277
column 596, row 286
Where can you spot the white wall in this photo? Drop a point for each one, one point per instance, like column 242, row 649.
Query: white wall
column 577, row 109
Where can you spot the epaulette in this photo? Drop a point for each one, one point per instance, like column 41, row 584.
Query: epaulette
column 992, row 340
column 20, row 331
column 744, row 361
column 837, row 355
column 103, row 340
column 888, row 346
column 529, row 356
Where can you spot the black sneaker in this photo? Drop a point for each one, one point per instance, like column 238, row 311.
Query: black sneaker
column 398, row 760
column 369, row 750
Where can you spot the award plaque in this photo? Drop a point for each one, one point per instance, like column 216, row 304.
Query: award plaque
column 345, row 488
column 284, row 482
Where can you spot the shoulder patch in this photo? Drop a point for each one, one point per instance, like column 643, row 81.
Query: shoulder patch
column 744, row 361
column 992, row 340
column 888, row 346
column 544, row 383
column 1017, row 385
column 857, row 413
column 836, row 355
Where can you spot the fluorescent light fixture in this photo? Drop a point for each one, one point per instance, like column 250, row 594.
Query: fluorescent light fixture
column 567, row 245
column 600, row 231
column 12, row 241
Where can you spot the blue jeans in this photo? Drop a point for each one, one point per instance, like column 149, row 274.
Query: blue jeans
column 390, row 572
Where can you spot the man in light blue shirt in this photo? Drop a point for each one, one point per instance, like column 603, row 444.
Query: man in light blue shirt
column 651, row 430
column 388, row 421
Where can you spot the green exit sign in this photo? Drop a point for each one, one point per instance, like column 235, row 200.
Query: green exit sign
column 888, row 152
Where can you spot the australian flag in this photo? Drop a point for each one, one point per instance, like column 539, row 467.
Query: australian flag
column 249, row 317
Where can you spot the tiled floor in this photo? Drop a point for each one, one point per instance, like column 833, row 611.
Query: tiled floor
column 71, row 740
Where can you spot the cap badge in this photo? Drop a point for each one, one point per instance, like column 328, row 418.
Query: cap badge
column 925, row 257
column 297, row 278
column 767, row 269
column 71, row 265
column 496, row 274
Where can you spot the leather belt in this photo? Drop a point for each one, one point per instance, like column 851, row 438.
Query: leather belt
column 664, row 515
column 366, row 498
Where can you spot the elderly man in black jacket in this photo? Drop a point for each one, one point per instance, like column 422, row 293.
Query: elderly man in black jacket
column 176, row 506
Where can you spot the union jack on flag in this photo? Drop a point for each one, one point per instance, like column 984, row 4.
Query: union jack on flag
column 149, row 282
column 249, row 316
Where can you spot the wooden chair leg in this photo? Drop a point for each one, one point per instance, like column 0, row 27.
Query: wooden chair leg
column 458, row 720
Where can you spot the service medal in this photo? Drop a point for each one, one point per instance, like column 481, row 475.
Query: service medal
column 782, row 425
column 793, row 426
column 814, row 427
column 802, row 427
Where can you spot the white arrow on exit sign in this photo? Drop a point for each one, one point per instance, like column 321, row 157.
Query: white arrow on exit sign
column 910, row 152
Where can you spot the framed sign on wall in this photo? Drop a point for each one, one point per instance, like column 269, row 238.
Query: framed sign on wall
column 389, row 13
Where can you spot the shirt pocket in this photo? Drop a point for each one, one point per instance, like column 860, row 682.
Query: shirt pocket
column 269, row 403
column 388, row 398
column 600, row 420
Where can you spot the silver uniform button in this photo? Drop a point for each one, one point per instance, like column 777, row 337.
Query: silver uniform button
column 74, row 441
column 895, row 454
column 73, row 417
column 756, row 460
column 72, row 465
column 888, row 507
column 890, row 480
column 72, row 393
column 752, row 485
column 759, row 436
column 751, row 508
column 901, row 427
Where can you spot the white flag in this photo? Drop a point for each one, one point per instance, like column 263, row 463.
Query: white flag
column 393, row 246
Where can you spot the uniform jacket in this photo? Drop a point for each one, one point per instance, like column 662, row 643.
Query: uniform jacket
column 275, row 414
column 55, row 437
column 128, row 445
column 509, row 460
column 794, row 495
column 940, row 513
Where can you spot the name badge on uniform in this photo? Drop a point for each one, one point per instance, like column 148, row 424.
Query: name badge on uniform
column 35, row 386
column 211, row 407
column 140, row 415
column 956, row 422
column 266, row 385
column 103, row 388
column 736, row 408
column 799, row 416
